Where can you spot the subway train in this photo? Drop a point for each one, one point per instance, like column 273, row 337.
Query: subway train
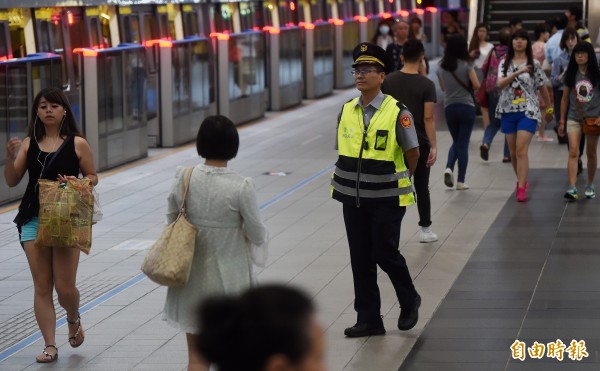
column 143, row 74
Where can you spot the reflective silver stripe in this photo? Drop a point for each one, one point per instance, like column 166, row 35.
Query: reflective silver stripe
column 369, row 193
column 372, row 178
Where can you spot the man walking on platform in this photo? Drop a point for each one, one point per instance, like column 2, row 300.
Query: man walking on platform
column 378, row 152
column 417, row 92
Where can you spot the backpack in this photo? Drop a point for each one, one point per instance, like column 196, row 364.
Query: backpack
column 491, row 74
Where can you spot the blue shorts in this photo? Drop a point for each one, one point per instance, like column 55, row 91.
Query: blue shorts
column 512, row 122
column 29, row 230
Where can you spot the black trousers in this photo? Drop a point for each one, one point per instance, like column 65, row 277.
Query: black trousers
column 374, row 236
column 421, row 183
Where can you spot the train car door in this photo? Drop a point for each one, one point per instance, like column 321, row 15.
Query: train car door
column 138, row 25
column 59, row 31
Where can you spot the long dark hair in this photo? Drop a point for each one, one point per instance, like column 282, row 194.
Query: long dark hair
column 456, row 48
column 36, row 126
column 474, row 43
column 593, row 72
column 510, row 54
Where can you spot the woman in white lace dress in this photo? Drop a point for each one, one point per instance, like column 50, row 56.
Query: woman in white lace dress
column 231, row 237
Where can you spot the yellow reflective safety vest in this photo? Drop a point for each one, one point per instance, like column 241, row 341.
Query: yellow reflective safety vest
column 370, row 167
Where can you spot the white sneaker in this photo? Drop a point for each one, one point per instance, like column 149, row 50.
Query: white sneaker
column 448, row 178
column 461, row 186
column 427, row 235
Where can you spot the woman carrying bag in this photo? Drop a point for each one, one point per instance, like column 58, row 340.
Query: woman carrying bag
column 55, row 150
column 581, row 92
column 230, row 239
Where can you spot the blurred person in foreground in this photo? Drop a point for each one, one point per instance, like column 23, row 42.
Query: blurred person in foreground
column 268, row 328
column 378, row 152
column 231, row 237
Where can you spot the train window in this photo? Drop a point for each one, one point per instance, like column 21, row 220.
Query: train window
column 288, row 12
column 346, row 9
column 317, row 11
column 268, row 12
column 250, row 16
column 225, row 21
column 105, row 30
column 371, row 8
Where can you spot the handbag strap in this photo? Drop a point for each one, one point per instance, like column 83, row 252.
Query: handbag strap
column 489, row 60
column 185, row 186
column 461, row 83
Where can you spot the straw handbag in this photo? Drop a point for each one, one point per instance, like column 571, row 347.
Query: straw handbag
column 169, row 261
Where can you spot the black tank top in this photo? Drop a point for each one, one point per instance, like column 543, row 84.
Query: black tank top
column 66, row 163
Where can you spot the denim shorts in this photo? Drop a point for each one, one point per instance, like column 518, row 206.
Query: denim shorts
column 512, row 122
column 29, row 230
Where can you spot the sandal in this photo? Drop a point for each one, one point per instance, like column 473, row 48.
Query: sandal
column 73, row 339
column 47, row 357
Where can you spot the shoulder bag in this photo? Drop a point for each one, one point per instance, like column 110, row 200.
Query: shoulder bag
column 169, row 261
column 588, row 125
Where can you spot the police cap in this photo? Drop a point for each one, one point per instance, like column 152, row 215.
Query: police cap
column 367, row 53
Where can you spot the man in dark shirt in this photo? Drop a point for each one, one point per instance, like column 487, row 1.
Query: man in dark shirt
column 417, row 93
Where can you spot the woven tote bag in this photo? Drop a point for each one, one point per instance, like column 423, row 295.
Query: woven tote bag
column 169, row 261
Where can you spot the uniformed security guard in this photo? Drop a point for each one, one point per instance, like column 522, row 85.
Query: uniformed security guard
column 378, row 151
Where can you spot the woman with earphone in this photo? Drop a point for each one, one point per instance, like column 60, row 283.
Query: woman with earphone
column 53, row 149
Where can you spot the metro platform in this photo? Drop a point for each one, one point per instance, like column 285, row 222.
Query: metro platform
column 501, row 270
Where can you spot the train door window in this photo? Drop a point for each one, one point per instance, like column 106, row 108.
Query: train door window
column 190, row 23
column 4, row 41
column 16, row 24
column 163, row 25
column 389, row 6
column 150, row 27
column 77, row 38
column 317, row 11
column 105, row 32
column 224, row 22
column 50, row 39
column 95, row 33
column 131, row 29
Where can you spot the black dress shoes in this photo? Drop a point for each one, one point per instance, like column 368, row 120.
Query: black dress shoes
column 409, row 316
column 364, row 329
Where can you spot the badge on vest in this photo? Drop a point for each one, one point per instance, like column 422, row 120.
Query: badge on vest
column 381, row 140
